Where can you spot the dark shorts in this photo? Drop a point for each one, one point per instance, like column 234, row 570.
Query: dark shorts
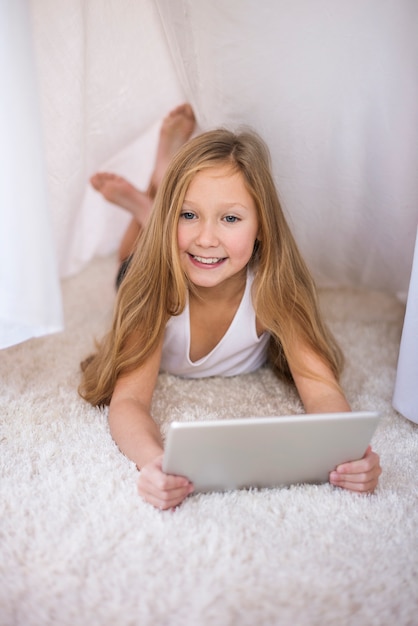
column 123, row 268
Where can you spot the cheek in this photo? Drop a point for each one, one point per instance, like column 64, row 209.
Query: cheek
column 184, row 239
column 248, row 251
column 181, row 239
column 244, row 245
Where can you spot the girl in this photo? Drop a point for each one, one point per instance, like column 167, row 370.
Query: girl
column 216, row 286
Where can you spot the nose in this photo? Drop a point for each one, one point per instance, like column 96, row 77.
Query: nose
column 207, row 236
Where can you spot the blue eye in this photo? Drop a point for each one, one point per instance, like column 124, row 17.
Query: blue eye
column 231, row 219
column 187, row 215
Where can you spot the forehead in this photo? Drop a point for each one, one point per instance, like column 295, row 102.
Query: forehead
column 223, row 181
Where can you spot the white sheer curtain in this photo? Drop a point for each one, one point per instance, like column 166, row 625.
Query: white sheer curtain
column 405, row 398
column 330, row 85
column 106, row 79
column 30, row 298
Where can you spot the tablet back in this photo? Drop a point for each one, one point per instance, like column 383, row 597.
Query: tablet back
column 219, row 455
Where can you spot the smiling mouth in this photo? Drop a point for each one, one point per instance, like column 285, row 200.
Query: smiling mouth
column 207, row 260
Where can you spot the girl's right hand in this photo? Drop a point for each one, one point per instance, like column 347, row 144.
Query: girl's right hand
column 164, row 491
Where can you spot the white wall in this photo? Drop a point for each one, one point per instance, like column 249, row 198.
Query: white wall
column 330, row 85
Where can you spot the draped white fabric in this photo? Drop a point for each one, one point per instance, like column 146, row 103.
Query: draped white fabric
column 405, row 399
column 106, row 78
column 30, row 298
column 332, row 88
column 330, row 85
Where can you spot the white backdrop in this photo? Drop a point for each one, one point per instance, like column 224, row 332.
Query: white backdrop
column 405, row 397
column 106, row 77
column 30, row 299
column 331, row 86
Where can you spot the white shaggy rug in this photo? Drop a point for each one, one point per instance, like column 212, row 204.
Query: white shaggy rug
column 78, row 547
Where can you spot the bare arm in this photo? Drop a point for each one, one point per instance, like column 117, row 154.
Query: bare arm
column 318, row 396
column 323, row 396
column 130, row 421
column 139, row 438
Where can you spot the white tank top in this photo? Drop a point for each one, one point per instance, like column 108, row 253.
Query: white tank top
column 240, row 350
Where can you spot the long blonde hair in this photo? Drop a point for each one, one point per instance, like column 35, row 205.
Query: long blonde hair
column 155, row 286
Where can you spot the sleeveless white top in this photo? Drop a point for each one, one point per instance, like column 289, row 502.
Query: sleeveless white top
column 240, row 350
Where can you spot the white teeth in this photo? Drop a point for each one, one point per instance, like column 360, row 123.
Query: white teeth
column 207, row 261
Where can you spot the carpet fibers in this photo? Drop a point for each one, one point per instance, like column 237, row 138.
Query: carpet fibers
column 79, row 547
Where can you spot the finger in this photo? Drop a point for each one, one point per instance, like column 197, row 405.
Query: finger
column 368, row 463
column 360, row 481
column 165, row 500
column 168, row 504
column 164, row 483
column 344, row 482
column 153, row 473
column 158, row 482
column 357, row 475
column 163, row 490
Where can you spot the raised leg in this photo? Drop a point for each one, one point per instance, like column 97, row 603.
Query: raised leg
column 176, row 129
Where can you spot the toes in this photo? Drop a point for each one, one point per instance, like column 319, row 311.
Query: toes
column 101, row 178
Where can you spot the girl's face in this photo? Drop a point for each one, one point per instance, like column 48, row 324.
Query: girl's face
column 217, row 227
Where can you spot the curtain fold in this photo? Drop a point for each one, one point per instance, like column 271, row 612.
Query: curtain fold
column 30, row 297
column 405, row 398
column 106, row 79
column 332, row 88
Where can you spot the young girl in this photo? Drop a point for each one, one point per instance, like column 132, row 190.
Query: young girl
column 216, row 286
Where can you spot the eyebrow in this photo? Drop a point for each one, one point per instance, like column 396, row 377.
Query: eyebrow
column 223, row 205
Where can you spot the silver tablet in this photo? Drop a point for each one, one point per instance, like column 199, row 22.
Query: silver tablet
column 219, row 455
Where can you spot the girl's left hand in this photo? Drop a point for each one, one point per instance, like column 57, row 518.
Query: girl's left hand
column 361, row 476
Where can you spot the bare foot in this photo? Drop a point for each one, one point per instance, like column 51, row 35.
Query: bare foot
column 121, row 192
column 176, row 129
